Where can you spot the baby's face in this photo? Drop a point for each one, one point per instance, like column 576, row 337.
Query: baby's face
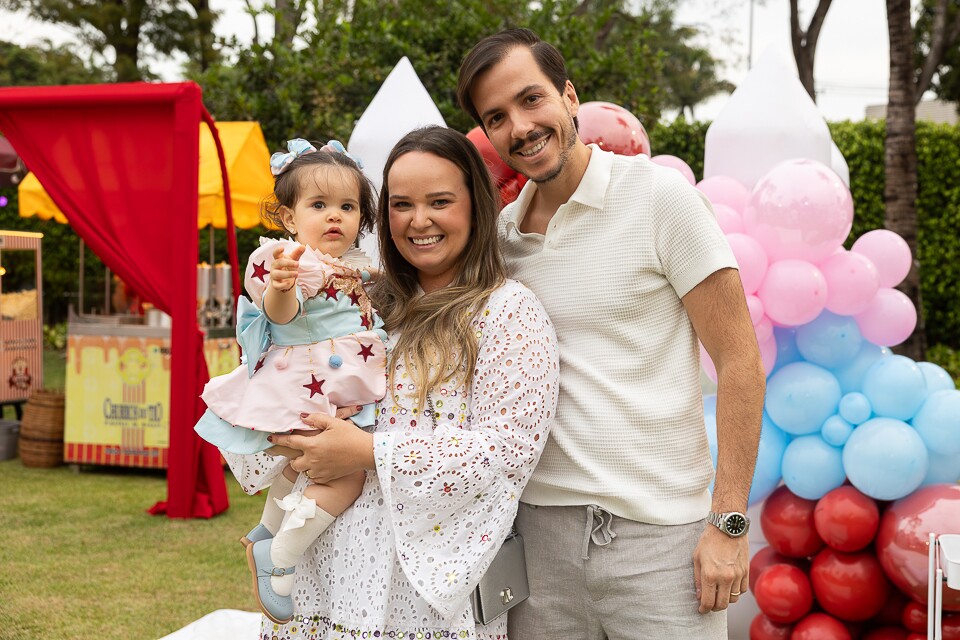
column 326, row 216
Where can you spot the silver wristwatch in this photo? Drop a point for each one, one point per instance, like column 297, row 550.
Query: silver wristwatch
column 732, row 523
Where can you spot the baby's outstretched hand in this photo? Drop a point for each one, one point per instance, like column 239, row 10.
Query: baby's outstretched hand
column 285, row 267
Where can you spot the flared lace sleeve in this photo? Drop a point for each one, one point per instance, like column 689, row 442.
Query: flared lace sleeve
column 453, row 491
column 254, row 472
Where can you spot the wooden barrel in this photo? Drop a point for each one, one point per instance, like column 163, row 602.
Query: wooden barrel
column 41, row 430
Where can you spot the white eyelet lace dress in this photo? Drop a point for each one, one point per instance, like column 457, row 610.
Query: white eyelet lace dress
column 402, row 561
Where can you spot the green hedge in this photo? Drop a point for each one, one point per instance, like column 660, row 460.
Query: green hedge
column 938, row 150
column 938, row 202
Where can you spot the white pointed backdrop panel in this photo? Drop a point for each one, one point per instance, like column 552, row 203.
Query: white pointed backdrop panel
column 401, row 105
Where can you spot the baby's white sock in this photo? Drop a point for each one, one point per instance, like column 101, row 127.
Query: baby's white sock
column 288, row 547
column 272, row 513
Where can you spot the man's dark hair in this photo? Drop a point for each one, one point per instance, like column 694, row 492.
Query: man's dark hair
column 491, row 50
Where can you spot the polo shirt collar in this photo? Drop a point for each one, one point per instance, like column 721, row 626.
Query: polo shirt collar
column 590, row 192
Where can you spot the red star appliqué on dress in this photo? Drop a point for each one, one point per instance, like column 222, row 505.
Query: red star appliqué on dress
column 366, row 350
column 331, row 292
column 260, row 271
column 365, row 322
column 355, row 298
column 258, row 366
column 315, row 386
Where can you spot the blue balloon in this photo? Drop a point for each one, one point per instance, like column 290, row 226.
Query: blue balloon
column 885, row 459
column 801, row 396
column 836, row 430
column 936, row 376
column 942, row 469
column 773, row 441
column 710, row 422
column 786, row 347
column 829, row 340
column 767, row 474
column 811, row 467
column 895, row 387
column 855, row 408
column 850, row 375
column 938, row 422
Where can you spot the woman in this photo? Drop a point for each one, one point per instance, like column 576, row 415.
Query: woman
column 471, row 391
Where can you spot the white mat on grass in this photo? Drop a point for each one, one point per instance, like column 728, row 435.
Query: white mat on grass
column 222, row 624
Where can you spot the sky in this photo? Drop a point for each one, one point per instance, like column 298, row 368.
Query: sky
column 851, row 66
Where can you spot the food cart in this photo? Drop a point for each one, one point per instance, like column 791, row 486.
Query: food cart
column 21, row 317
column 118, row 381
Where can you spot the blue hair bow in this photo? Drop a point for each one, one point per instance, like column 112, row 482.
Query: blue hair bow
column 298, row 147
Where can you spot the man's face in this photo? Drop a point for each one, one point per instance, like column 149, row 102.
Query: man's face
column 527, row 120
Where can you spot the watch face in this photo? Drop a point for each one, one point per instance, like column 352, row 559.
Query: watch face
column 735, row 524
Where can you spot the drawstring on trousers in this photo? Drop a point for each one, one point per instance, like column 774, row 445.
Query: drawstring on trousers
column 599, row 529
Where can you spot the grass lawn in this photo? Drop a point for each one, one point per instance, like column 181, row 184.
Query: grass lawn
column 82, row 559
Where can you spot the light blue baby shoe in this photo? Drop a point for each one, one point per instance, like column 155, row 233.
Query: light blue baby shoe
column 276, row 607
column 256, row 534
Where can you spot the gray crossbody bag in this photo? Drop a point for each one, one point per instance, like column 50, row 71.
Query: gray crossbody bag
column 504, row 585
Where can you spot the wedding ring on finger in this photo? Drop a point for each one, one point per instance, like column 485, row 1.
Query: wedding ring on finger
column 307, row 473
column 732, row 593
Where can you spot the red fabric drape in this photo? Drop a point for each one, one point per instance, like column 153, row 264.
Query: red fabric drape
column 121, row 162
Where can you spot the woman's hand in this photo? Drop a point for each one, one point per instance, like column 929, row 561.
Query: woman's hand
column 337, row 448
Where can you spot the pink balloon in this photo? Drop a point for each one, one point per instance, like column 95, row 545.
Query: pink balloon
column 751, row 258
column 852, row 282
column 764, row 329
column 707, row 364
column 674, row 162
column 889, row 252
column 612, row 128
column 755, row 307
column 725, row 190
column 728, row 219
column 768, row 353
column 799, row 210
column 889, row 320
column 793, row 293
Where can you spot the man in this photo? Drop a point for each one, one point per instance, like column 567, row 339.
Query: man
column 632, row 269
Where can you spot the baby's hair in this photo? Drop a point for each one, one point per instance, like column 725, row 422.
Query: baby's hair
column 286, row 187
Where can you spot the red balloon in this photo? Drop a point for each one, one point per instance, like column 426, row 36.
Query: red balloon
column 763, row 628
column 851, row 586
column 820, row 626
column 612, row 128
column 498, row 168
column 892, row 609
column 510, row 189
column 846, row 519
column 902, row 540
column 886, row 633
column 787, row 523
column 950, row 627
column 917, row 636
column 914, row 617
column 767, row 556
column 784, row 593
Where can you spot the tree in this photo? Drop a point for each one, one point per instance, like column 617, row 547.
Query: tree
column 804, row 42
column 44, row 65
column 128, row 28
column 913, row 65
column 937, row 34
column 319, row 86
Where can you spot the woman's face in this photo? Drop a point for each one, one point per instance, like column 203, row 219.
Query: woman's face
column 430, row 216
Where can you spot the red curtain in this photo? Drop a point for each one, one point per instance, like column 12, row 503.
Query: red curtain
column 121, row 162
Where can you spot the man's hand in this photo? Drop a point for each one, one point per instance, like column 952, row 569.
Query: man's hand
column 721, row 569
